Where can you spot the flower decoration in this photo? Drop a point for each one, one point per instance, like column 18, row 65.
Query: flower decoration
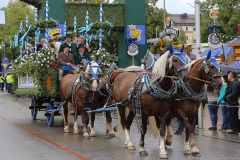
column 104, row 56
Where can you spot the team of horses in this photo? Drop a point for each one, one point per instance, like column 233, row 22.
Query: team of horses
column 173, row 87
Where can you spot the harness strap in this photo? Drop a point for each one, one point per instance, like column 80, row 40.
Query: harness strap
column 201, row 80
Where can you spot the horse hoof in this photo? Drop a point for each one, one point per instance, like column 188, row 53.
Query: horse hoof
column 66, row 130
column 86, row 137
column 187, row 152
column 92, row 134
column 168, row 143
column 111, row 135
column 143, row 153
column 76, row 132
column 163, row 156
column 131, row 148
column 196, row 154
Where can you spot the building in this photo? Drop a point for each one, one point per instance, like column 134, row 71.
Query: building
column 187, row 23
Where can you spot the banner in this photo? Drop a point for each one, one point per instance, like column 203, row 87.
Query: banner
column 26, row 82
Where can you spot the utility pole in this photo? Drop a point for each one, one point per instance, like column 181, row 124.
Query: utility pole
column 164, row 14
column 4, row 41
column 198, row 52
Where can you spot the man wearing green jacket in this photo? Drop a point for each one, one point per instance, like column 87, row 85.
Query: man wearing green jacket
column 73, row 46
column 81, row 55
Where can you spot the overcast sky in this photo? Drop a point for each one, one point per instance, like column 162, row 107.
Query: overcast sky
column 172, row 6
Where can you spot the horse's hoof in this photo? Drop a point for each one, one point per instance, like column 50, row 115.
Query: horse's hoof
column 76, row 132
column 86, row 137
column 143, row 153
column 66, row 130
column 163, row 156
column 187, row 152
column 92, row 134
column 168, row 143
column 196, row 154
column 111, row 135
column 131, row 148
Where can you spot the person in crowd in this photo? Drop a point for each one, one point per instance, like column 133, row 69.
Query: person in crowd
column 2, row 80
column 212, row 106
column 41, row 45
column 72, row 46
column 9, row 80
column 65, row 58
column 81, row 55
column 88, row 48
column 54, row 46
column 75, row 40
column 221, row 101
column 231, row 98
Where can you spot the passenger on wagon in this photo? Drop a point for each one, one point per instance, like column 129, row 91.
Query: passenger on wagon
column 81, row 55
column 65, row 58
column 72, row 46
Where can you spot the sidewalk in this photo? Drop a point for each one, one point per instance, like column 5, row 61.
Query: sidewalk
column 221, row 135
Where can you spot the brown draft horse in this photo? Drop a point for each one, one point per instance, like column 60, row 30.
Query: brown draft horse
column 83, row 92
column 150, row 105
column 201, row 71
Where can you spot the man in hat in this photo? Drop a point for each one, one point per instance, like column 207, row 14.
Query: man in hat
column 81, row 55
column 88, row 48
column 65, row 58
column 73, row 46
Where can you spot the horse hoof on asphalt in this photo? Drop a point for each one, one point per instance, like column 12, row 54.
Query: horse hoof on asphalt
column 76, row 132
column 168, row 143
column 131, row 148
column 143, row 153
column 163, row 156
column 66, row 130
column 92, row 134
column 187, row 152
column 196, row 154
column 111, row 135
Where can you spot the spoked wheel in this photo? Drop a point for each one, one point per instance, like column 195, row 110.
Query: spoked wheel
column 33, row 109
column 50, row 115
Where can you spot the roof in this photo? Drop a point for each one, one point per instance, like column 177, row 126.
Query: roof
column 234, row 43
column 183, row 19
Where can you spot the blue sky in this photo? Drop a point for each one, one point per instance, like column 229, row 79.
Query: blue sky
column 172, row 6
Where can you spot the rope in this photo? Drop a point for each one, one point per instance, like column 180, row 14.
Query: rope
column 205, row 81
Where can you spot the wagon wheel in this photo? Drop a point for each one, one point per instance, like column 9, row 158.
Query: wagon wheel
column 33, row 109
column 50, row 115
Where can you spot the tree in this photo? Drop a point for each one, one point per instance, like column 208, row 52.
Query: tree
column 16, row 12
column 228, row 17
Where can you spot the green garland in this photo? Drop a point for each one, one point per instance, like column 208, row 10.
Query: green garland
column 37, row 65
column 42, row 24
column 35, row 3
column 114, row 13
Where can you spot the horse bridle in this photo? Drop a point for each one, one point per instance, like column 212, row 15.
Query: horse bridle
column 211, row 76
column 176, row 70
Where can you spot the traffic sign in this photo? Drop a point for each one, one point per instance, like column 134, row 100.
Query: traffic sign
column 5, row 60
column 4, row 65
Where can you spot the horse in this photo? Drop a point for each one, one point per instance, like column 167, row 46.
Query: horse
column 189, row 97
column 127, row 89
column 83, row 92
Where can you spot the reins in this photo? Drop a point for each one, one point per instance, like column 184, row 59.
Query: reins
column 205, row 81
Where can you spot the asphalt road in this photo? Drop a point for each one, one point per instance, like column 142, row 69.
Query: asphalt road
column 24, row 139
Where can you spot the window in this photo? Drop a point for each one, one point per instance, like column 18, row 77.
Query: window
column 186, row 37
column 186, row 28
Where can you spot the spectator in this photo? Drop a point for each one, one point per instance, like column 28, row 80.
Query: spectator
column 41, row 45
column 221, row 101
column 2, row 80
column 212, row 106
column 75, row 40
column 231, row 98
column 88, row 48
column 54, row 46
column 72, row 46
column 9, row 80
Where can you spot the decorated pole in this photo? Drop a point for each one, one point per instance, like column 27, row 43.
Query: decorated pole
column 21, row 42
column 100, row 36
column 46, row 29
column 35, row 20
column 26, row 38
column 86, row 27
column 75, row 24
column 65, row 28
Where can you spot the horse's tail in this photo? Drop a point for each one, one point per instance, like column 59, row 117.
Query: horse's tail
column 152, row 123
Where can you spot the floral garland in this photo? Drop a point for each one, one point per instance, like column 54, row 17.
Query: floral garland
column 104, row 56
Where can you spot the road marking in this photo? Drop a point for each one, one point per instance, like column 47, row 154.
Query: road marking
column 46, row 139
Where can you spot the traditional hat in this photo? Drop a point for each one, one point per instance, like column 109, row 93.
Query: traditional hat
column 69, row 35
column 65, row 45
column 81, row 46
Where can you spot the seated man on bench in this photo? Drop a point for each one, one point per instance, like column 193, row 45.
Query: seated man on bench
column 65, row 58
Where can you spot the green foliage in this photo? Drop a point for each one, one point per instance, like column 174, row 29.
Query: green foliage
column 114, row 13
column 229, row 18
column 181, row 39
column 35, row 3
column 37, row 65
column 43, row 23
